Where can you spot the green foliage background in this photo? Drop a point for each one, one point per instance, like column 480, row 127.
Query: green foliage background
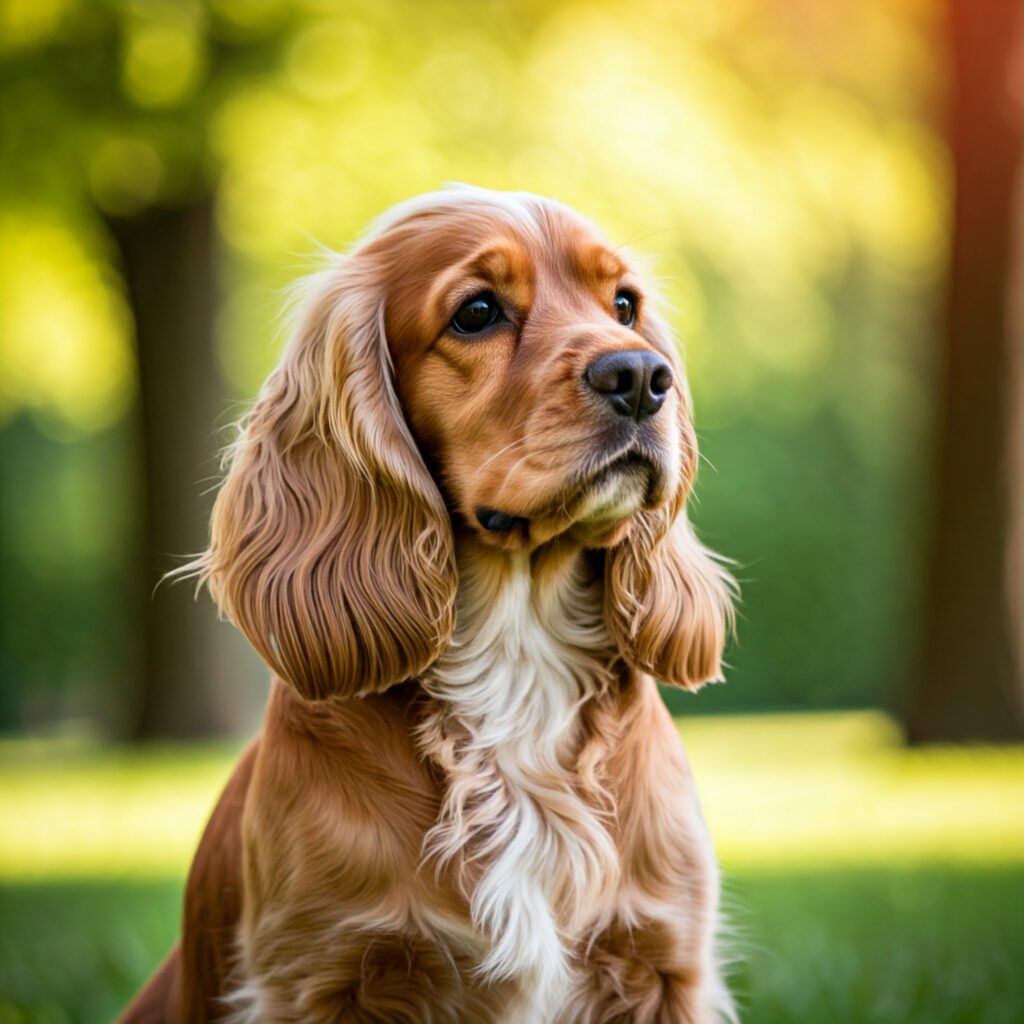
column 778, row 159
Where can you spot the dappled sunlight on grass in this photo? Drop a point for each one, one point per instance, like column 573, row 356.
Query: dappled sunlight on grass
column 838, row 789
column 834, row 790
column 864, row 883
column 78, row 811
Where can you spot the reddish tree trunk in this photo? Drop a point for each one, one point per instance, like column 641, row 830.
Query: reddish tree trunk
column 969, row 683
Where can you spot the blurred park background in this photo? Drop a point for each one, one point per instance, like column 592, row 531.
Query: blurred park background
column 831, row 197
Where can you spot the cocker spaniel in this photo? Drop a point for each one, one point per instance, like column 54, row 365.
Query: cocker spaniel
column 454, row 527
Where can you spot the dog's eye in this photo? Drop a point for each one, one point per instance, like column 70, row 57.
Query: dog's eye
column 625, row 308
column 477, row 314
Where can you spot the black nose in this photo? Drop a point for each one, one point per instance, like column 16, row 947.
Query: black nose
column 634, row 382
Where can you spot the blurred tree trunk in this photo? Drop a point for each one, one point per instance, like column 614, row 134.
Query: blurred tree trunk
column 167, row 260
column 969, row 682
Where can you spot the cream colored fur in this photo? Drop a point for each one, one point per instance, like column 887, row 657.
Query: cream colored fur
column 509, row 688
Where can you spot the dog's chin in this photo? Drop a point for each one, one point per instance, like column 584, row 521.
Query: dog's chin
column 599, row 513
column 611, row 502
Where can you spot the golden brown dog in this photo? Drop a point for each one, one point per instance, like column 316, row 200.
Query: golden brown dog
column 454, row 527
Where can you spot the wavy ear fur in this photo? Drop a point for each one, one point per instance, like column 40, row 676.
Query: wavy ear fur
column 331, row 548
column 669, row 603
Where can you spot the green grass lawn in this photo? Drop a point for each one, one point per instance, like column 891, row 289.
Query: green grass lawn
column 864, row 883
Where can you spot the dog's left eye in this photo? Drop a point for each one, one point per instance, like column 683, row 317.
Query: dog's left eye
column 625, row 308
column 477, row 314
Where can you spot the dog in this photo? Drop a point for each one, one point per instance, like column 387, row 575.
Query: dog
column 454, row 527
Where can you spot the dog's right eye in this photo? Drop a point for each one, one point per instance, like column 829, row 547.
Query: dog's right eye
column 477, row 314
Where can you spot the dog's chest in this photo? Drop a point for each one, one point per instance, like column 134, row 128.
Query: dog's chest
column 525, row 831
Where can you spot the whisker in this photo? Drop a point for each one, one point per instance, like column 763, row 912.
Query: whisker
column 559, row 446
column 515, row 465
column 710, row 464
column 512, row 444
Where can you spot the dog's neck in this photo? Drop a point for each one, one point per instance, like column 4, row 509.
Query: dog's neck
column 523, row 809
column 530, row 644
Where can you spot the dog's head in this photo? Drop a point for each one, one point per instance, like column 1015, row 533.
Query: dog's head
column 481, row 362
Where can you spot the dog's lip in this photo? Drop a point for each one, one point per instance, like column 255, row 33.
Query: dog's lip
column 495, row 521
column 632, row 458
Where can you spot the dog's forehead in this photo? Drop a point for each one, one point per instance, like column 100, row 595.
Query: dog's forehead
column 504, row 233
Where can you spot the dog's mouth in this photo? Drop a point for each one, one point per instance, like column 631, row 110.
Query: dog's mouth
column 628, row 465
column 495, row 521
column 611, row 492
column 618, row 490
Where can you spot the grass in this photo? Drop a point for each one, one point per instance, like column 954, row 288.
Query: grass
column 925, row 946
column 934, row 945
column 864, row 883
column 838, row 789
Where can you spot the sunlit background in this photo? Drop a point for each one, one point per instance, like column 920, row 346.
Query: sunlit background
column 166, row 169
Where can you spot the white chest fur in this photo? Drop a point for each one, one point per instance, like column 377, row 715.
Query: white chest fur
column 530, row 838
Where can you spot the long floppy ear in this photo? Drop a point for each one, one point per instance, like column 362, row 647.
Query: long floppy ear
column 331, row 548
column 669, row 601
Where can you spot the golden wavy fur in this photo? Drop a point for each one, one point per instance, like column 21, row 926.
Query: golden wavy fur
column 464, row 554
